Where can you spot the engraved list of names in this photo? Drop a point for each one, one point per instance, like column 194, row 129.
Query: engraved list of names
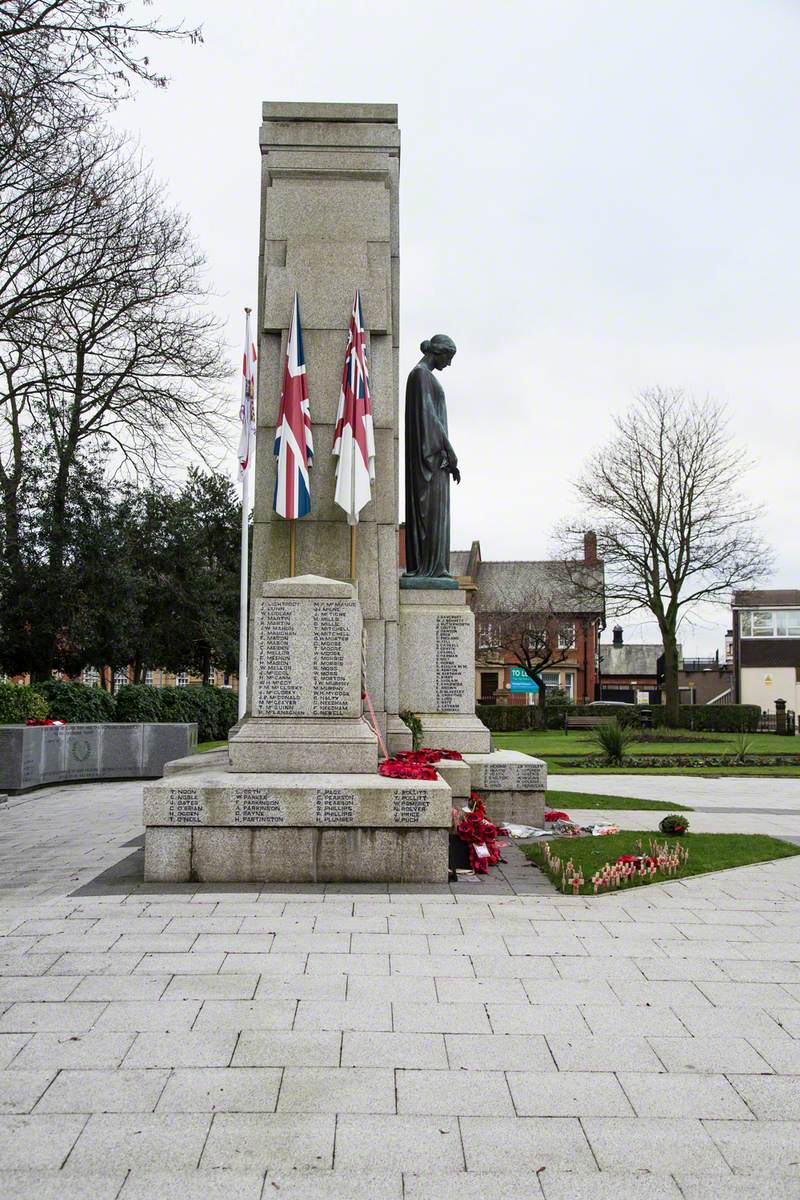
column 307, row 661
column 333, row 629
column 451, row 664
column 277, row 691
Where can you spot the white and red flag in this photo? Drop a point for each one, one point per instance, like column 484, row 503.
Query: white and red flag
column 353, row 438
column 247, row 410
column 294, row 444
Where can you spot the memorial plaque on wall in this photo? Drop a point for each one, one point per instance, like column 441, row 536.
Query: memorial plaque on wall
column 82, row 755
column 452, row 665
column 307, row 658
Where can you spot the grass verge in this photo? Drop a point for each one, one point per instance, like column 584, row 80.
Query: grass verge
column 204, row 747
column 707, row 852
column 563, row 800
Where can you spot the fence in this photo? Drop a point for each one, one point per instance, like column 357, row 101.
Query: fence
column 770, row 722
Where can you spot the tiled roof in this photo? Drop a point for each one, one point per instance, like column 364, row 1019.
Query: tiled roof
column 631, row 660
column 458, row 562
column 529, row 586
column 767, row 598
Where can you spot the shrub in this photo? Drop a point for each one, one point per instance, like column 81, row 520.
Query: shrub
column 613, row 739
column 76, row 702
column 674, row 823
column 19, row 703
column 506, row 718
column 743, row 743
column 213, row 709
column 721, row 718
column 138, row 702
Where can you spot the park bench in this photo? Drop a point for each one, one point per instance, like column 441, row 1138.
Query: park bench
column 578, row 722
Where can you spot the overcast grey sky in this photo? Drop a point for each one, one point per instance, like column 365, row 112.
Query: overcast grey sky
column 596, row 197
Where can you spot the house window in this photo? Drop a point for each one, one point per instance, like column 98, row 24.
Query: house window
column 148, row 678
column 90, row 676
column 551, row 679
column 566, row 637
column 182, row 679
column 487, row 638
column 120, row 677
column 569, row 684
column 770, row 623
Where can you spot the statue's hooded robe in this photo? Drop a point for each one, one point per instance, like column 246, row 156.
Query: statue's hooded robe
column 429, row 460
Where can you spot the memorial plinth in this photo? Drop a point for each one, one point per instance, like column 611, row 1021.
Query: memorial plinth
column 307, row 682
column 437, row 668
column 298, row 798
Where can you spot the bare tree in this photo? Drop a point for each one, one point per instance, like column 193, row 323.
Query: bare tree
column 85, row 47
column 127, row 355
column 673, row 527
column 527, row 627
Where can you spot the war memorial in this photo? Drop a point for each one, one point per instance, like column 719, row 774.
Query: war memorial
column 297, row 795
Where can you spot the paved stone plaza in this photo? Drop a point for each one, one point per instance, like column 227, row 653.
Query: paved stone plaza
column 494, row 1040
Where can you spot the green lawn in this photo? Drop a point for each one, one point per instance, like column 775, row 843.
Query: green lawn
column 203, row 747
column 565, row 800
column 556, row 747
column 707, row 851
column 579, row 742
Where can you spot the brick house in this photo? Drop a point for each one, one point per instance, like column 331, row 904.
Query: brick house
column 574, row 606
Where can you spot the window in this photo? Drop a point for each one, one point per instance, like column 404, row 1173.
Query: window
column 566, row 637
column 182, row 679
column 488, row 636
column 148, row 678
column 90, row 676
column 120, row 677
column 569, row 684
column 770, row 623
column 551, row 679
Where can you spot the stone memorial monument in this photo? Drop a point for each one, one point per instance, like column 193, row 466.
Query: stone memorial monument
column 297, row 795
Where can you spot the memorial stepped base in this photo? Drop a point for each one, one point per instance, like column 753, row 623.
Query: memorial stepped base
column 218, row 826
column 335, row 745
column 512, row 785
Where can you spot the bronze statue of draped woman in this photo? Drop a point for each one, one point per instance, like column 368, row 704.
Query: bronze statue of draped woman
column 430, row 461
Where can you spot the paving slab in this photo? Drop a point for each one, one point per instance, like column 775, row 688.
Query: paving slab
column 270, row 1141
column 58, row 1185
column 220, row 1089
column 98, row 1091
column 391, row 1143
column 138, row 1140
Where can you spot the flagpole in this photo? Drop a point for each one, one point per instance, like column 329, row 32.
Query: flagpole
column 292, row 548
column 353, row 529
column 243, row 573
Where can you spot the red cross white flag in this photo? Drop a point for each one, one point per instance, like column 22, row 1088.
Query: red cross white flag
column 353, row 438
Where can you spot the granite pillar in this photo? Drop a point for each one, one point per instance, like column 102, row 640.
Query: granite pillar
column 329, row 225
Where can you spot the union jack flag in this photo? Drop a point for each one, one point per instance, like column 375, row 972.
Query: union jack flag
column 353, row 438
column 247, row 409
column 294, row 444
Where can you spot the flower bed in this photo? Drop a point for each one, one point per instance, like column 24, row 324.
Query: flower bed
column 595, row 761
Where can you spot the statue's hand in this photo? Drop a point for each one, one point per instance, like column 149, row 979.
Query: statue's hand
column 456, row 475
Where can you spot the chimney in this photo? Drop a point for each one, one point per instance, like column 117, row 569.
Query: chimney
column 617, row 635
column 590, row 547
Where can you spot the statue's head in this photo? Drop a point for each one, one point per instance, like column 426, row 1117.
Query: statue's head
column 439, row 350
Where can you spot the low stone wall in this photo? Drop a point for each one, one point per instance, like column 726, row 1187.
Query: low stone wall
column 34, row 755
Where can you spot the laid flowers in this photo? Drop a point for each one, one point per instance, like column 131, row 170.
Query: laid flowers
column 415, row 764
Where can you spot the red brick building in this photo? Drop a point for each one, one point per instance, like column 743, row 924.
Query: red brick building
column 565, row 598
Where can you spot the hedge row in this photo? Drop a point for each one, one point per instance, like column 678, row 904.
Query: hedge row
column 714, row 718
column 213, row 709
